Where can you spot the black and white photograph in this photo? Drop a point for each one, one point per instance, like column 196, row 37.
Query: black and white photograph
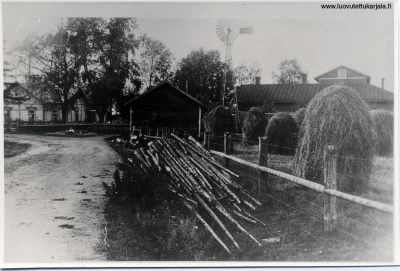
column 245, row 133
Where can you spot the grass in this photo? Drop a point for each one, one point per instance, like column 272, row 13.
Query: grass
column 293, row 215
column 13, row 148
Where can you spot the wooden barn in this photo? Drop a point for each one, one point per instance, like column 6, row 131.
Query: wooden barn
column 167, row 106
column 290, row 97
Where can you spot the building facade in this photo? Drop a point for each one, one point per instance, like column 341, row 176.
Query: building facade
column 167, row 106
column 291, row 97
column 20, row 104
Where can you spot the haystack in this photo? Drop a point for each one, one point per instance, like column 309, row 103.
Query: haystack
column 218, row 121
column 336, row 116
column 254, row 124
column 282, row 134
column 299, row 116
column 383, row 121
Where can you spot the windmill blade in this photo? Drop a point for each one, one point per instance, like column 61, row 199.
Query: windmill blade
column 227, row 30
column 246, row 30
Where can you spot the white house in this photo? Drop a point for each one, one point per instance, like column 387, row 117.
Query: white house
column 21, row 104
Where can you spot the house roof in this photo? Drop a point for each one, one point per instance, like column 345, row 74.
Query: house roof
column 11, row 89
column 352, row 71
column 180, row 92
column 303, row 93
column 257, row 94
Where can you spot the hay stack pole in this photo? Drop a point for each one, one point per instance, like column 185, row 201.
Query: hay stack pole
column 336, row 116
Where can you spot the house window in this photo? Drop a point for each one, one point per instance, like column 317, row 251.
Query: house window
column 342, row 74
column 31, row 114
column 7, row 113
column 55, row 115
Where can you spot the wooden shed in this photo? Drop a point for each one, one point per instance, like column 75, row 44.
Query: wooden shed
column 165, row 105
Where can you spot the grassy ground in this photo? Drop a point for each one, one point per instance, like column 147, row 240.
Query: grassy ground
column 294, row 230
column 12, row 148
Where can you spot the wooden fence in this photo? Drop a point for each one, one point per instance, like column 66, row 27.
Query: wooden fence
column 328, row 189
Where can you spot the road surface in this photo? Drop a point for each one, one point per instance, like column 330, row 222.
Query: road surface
column 54, row 199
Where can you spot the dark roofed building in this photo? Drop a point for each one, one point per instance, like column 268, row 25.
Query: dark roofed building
column 167, row 106
column 289, row 98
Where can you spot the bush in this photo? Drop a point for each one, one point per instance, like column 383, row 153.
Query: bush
column 254, row 124
column 281, row 134
column 336, row 116
column 218, row 121
column 299, row 116
column 383, row 121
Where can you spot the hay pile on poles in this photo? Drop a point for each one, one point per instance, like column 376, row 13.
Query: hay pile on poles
column 208, row 190
column 299, row 116
column 336, row 116
column 281, row 133
column 218, row 121
column 383, row 121
column 254, row 124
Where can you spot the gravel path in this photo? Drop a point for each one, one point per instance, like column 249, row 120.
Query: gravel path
column 54, row 199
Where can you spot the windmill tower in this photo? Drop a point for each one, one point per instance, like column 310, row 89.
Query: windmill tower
column 227, row 32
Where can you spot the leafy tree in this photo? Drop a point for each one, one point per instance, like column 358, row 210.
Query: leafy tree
column 51, row 66
column 246, row 74
column 154, row 60
column 290, row 72
column 105, row 50
column 201, row 75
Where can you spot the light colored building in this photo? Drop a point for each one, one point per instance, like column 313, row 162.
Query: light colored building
column 21, row 104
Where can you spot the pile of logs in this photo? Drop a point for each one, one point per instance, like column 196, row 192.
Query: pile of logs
column 207, row 188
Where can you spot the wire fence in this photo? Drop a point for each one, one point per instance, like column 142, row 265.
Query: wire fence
column 361, row 223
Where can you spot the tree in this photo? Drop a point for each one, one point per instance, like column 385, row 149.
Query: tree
column 105, row 50
column 290, row 72
column 154, row 60
column 246, row 74
column 201, row 75
column 51, row 67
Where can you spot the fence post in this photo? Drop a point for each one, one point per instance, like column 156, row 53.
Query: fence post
column 330, row 182
column 262, row 161
column 206, row 141
column 227, row 146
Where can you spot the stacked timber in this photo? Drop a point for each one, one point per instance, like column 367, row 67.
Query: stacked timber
column 207, row 189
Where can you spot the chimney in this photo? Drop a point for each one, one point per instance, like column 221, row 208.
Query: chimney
column 258, row 80
column 304, row 78
column 383, row 83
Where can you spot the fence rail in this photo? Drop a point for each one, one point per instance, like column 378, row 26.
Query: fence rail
column 328, row 189
column 311, row 185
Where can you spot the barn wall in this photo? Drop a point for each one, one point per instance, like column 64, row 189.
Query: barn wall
column 384, row 106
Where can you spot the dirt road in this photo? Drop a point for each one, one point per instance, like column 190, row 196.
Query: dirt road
column 54, row 199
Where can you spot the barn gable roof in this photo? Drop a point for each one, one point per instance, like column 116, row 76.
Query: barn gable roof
column 172, row 87
column 303, row 93
column 333, row 73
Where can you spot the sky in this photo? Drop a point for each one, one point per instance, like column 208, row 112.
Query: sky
column 319, row 39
